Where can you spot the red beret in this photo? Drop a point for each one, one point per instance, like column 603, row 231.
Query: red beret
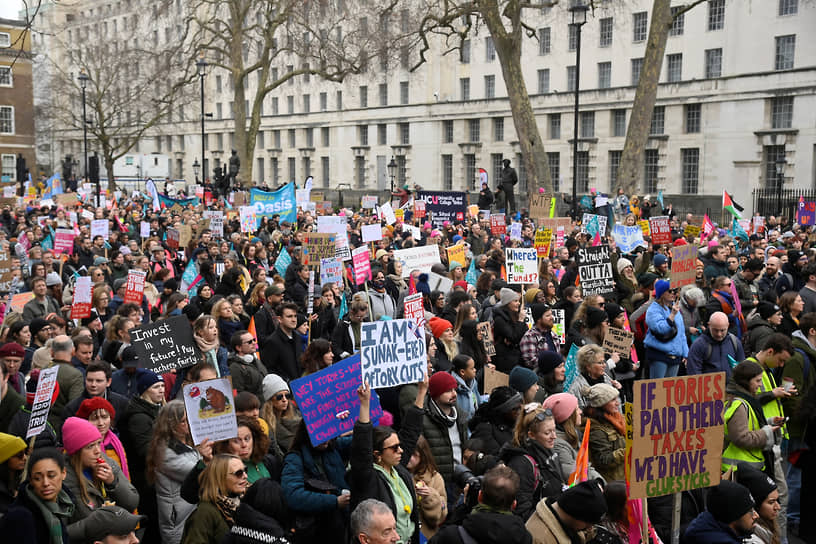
column 12, row 349
column 440, row 382
column 93, row 404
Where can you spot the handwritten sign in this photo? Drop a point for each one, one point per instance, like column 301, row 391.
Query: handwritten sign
column 100, row 227
column 387, row 212
column 248, row 218
column 543, row 242
column 420, row 258
column 362, row 265
column 368, row 202
column 328, row 400
column 456, row 256
column 498, row 225
column 42, row 401
column 210, row 410
column 493, row 379
column 677, row 434
column 486, row 332
column 660, row 229
column 414, row 310
column 371, row 233
column 644, row 226
column 555, row 222
column 331, row 271
column 7, row 272
column 135, row 286
column 691, row 231
column 628, row 238
column 595, row 270
column 684, row 265
column 806, row 212
column 317, row 246
column 539, row 206
column 165, row 345
column 216, row 222
column 392, row 353
column 81, row 303
column 618, row 341
column 522, row 265
column 144, row 229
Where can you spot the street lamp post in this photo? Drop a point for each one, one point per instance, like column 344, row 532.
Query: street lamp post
column 780, row 181
column 196, row 169
column 578, row 11
column 201, row 65
column 83, row 82
column 392, row 171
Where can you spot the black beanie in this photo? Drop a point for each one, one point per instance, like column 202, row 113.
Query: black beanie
column 594, row 317
column 729, row 501
column 613, row 310
column 538, row 309
column 548, row 361
column 766, row 309
column 758, row 483
column 585, row 501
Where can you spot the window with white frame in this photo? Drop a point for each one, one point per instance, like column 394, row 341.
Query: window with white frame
column 651, row 167
column 554, row 162
column 544, row 81
column 10, row 166
column 490, row 49
column 570, row 78
column 674, row 68
column 716, row 14
column 572, row 40
column 690, row 159
column 693, row 114
column 6, row 119
column 713, row 63
column 587, row 124
column 464, row 88
column 678, row 21
column 464, row 52
column 604, row 75
column 788, row 7
column 447, row 131
column 583, row 171
column 5, row 39
column 619, row 123
column 5, row 76
column 555, row 125
column 470, row 170
column 658, row 120
column 490, row 86
column 614, row 165
column 474, row 130
column 606, row 32
column 498, row 129
column 640, row 26
column 403, row 92
column 782, row 112
column 447, row 172
column 544, row 44
column 785, row 49
column 637, row 68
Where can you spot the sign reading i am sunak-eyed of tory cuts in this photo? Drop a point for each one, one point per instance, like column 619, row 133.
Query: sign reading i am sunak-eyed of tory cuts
column 660, row 227
column 522, row 265
column 392, row 353
column 684, row 265
column 595, row 270
column 677, row 434
column 444, row 205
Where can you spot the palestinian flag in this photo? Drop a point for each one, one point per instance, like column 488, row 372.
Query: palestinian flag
column 731, row 205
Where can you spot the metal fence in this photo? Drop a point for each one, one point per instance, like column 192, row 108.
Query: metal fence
column 770, row 201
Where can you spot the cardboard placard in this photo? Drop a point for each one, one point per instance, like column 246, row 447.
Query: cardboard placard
column 83, row 293
column 392, row 353
column 185, row 235
column 7, row 273
column 216, row 222
column 66, row 199
column 660, row 227
column 134, row 290
column 19, row 300
column 540, row 206
column 684, row 266
column 414, row 310
column 210, row 410
column 316, row 246
column 42, row 401
column 493, row 379
column 328, row 400
column 165, row 345
column 456, row 255
column 498, row 225
column 487, row 337
column 677, row 437
column 420, row 258
column 618, row 341
column 555, row 222
column 362, row 265
column 522, row 265
column 595, row 270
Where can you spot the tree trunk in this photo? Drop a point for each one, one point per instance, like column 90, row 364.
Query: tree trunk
column 630, row 171
column 108, row 157
column 508, row 48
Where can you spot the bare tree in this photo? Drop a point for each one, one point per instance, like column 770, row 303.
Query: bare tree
column 330, row 40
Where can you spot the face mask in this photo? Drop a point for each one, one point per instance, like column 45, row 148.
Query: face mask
column 378, row 284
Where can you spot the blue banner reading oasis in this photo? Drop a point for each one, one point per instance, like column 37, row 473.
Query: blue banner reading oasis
column 280, row 202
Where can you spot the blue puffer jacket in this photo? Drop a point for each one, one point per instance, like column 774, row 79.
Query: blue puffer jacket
column 301, row 464
column 656, row 319
column 704, row 528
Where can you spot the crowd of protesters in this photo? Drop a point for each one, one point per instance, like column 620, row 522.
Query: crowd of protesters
column 448, row 461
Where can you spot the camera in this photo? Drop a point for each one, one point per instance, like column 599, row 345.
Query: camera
column 462, row 477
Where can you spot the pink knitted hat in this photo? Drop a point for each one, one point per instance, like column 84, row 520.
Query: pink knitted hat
column 78, row 433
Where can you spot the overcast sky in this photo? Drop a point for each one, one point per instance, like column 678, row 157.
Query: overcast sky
column 9, row 9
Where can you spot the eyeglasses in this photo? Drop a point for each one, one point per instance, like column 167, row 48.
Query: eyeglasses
column 281, row 396
column 395, row 448
column 239, row 473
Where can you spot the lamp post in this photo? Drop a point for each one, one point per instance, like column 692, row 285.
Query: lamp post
column 392, row 171
column 201, row 65
column 196, row 169
column 780, row 180
column 578, row 10
column 83, row 82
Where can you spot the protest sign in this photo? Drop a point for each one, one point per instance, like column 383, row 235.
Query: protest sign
column 270, row 203
column 392, row 353
column 42, row 401
column 539, row 206
column 66, row 199
column 644, row 227
column 388, row 213
column 522, row 265
column 331, row 271
column 419, row 209
column 216, row 222
column 99, row 227
column 677, row 434
column 555, row 222
column 559, row 237
column 691, row 231
column 328, row 400
column 210, row 410
column 362, row 265
column 660, row 227
column 570, row 367
column 444, row 205
column 337, row 225
column 498, row 224
column 317, row 196
column 19, row 300
column 420, row 258
column 316, row 246
column 456, row 255
column 543, row 241
column 493, row 379
column 399, row 213
column 684, row 265
column 248, row 218
column 515, row 231
column 437, row 282
column 81, row 303
column 283, row 261
column 173, row 238
column 806, row 212
column 7, row 272
column 758, row 224
column 473, row 211
column 144, row 229
column 618, row 341
column 185, row 235
column 628, row 238
column 371, row 233
column 414, row 310
column 165, row 345
column 135, row 286
column 368, row 202
column 487, row 337
column 588, row 222
column 559, row 325
column 595, row 270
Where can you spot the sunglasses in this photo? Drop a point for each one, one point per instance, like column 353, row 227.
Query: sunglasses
column 281, row 396
column 395, row 448
column 543, row 415
column 239, row 473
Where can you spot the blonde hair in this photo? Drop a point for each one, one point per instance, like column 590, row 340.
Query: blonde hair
column 75, row 460
column 212, row 482
column 216, row 310
column 587, row 356
column 527, row 422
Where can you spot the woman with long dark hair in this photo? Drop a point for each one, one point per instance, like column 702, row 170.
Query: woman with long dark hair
column 470, row 343
column 318, row 355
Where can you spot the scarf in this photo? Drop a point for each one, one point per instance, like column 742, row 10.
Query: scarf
column 617, row 421
column 228, row 506
column 450, row 420
column 209, row 350
column 112, row 441
column 402, row 501
column 53, row 513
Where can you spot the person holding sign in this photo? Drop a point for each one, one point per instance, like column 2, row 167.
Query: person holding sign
column 379, row 459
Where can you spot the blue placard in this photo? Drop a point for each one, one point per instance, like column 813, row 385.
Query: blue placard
column 325, row 396
column 281, row 202
column 571, row 367
column 628, row 238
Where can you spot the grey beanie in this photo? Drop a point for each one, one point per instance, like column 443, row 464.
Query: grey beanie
column 506, row 296
column 272, row 384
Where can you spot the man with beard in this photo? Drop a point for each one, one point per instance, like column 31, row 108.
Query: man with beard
column 766, row 282
column 792, row 277
column 442, row 426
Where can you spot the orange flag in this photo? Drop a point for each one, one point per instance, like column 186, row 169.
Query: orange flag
column 251, row 328
column 582, row 461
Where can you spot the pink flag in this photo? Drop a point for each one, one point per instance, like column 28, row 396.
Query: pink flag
column 708, row 226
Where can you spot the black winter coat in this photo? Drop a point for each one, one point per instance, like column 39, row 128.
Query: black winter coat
column 486, row 528
column 281, row 355
column 489, row 428
column 24, row 524
column 368, row 483
column 247, row 376
column 507, row 334
column 119, row 403
column 136, row 432
column 550, row 478
column 435, row 430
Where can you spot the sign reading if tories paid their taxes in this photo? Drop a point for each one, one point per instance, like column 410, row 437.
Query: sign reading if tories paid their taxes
column 677, row 434
column 522, row 265
column 392, row 353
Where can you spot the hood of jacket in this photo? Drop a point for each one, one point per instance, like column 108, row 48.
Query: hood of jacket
column 801, row 341
column 757, row 321
column 138, row 405
column 704, row 528
column 491, row 527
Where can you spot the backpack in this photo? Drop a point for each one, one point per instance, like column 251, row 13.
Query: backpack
column 710, row 348
column 777, row 372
